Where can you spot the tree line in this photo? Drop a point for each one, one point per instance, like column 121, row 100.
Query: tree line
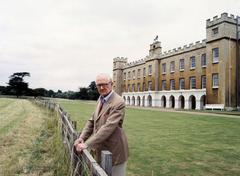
column 18, row 87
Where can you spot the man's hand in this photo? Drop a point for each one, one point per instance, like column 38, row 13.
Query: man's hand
column 81, row 146
column 78, row 141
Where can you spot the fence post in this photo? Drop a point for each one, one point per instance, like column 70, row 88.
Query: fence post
column 74, row 125
column 106, row 162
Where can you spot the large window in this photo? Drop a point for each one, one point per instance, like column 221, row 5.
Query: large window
column 181, row 64
column 172, row 84
column 203, row 60
column 181, row 83
column 139, row 73
column 192, row 62
column 133, row 87
column 164, row 85
column 149, row 85
column 215, row 80
column 164, row 68
column 129, row 75
column 133, row 74
column 172, row 66
column 203, row 81
column 144, row 86
column 138, row 87
column 192, row 82
column 215, row 53
column 150, row 70
column 128, row 88
column 144, row 72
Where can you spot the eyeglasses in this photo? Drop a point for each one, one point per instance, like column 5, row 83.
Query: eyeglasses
column 102, row 85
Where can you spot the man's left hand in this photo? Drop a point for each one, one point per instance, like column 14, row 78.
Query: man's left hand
column 81, row 146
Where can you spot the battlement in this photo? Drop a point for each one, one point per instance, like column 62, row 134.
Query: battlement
column 223, row 18
column 120, row 59
column 185, row 48
column 135, row 63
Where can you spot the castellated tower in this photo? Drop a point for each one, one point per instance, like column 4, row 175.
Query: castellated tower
column 118, row 64
column 155, row 49
column 222, row 63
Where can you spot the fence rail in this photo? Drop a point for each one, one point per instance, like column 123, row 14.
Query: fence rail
column 78, row 161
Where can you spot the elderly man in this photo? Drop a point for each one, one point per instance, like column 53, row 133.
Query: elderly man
column 104, row 131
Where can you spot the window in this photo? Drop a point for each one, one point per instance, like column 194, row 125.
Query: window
column 164, row 68
column 215, row 31
column 149, row 85
column 193, row 82
column 215, row 53
column 144, row 86
column 144, row 72
column 215, row 80
column 181, row 64
column 164, row 85
column 133, row 74
column 172, row 84
column 150, row 70
column 192, row 62
column 129, row 75
column 203, row 60
column 203, row 82
column 172, row 66
column 181, row 83
column 138, row 87
column 124, row 76
column 139, row 73
column 133, row 87
column 128, row 89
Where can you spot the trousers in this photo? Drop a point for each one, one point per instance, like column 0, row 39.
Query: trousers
column 119, row 170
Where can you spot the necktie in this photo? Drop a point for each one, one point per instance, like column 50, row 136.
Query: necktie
column 101, row 105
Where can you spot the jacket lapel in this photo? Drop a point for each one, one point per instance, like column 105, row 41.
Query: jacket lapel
column 105, row 107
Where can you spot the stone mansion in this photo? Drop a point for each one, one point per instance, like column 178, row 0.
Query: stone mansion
column 188, row 77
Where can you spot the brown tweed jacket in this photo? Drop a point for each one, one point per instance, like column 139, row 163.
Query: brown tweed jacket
column 104, row 131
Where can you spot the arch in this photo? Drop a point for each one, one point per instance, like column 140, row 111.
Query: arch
column 171, row 101
column 181, row 102
column 163, row 101
column 149, row 99
column 143, row 101
column 192, row 102
column 138, row 101
column 128, row 100
column 133, row 101
column 202, row 101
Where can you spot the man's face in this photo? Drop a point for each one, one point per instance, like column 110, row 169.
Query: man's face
column 104, row 85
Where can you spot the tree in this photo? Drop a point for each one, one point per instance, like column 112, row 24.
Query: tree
column 92, row 91
column 83, row 93
column 17, row 86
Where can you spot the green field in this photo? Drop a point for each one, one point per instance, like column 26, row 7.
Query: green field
column 173, row 143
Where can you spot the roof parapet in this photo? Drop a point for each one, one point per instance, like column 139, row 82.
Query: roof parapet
column 185, row 48
column 224, row 17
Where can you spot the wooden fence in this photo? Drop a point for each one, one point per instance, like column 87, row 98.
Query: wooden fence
column 79, row 162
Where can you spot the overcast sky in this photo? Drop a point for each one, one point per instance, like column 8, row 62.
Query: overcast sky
column 65, row 43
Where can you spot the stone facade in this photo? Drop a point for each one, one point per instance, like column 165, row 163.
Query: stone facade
column 188, row 77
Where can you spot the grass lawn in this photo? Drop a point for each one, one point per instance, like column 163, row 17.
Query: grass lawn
column 171, row 143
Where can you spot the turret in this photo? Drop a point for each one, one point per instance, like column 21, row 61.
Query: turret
column 118, row 64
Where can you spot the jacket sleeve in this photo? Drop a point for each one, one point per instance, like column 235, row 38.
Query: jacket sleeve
column 114, row 119
column 88, row 129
